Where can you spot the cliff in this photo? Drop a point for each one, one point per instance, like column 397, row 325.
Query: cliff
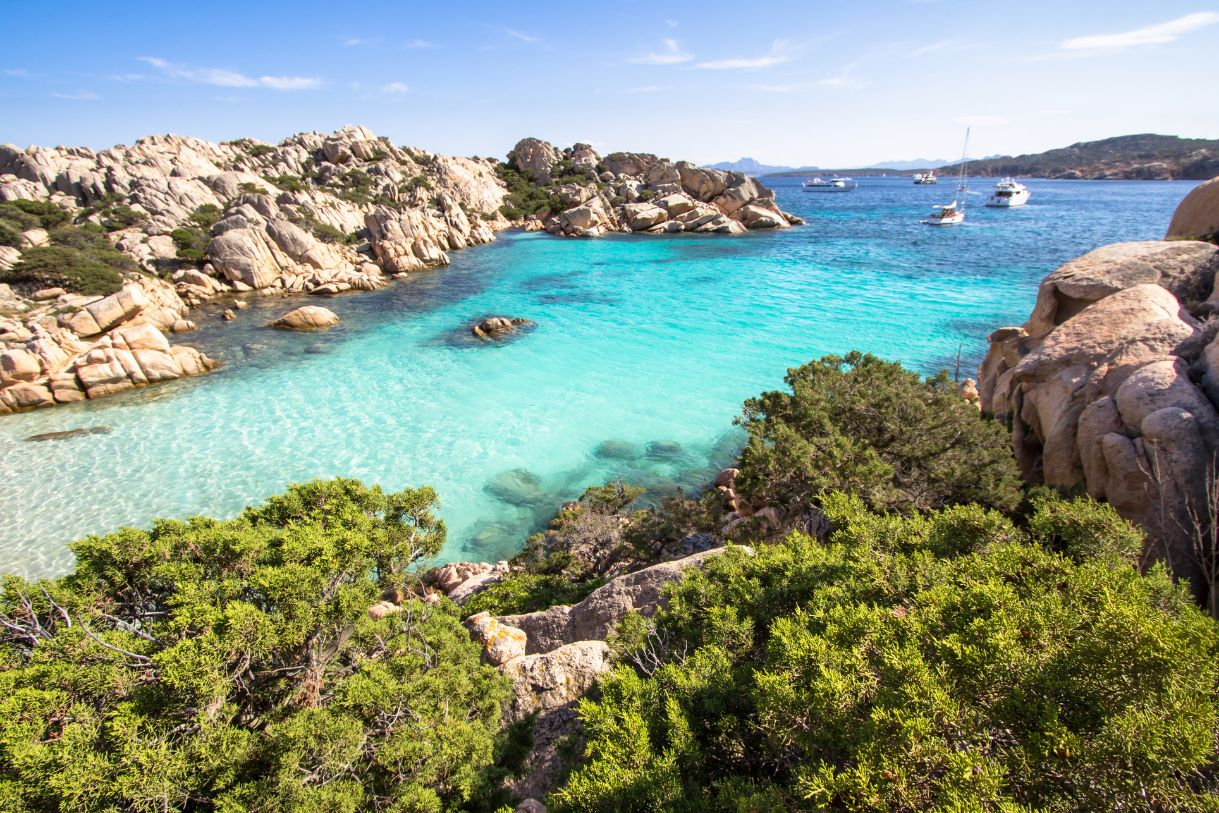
column 1132, row 157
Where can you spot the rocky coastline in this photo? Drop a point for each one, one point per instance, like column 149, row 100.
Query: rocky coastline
column 315, row 214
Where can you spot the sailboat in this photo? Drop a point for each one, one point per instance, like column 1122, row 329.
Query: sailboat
column 950, row 214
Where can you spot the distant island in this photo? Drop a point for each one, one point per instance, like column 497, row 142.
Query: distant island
column 1145, row 156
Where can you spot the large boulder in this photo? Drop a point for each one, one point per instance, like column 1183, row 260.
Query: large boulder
column 534, row 158
column 308, row 317
column 1197, row 216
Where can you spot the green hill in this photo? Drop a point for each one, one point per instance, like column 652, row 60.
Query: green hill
column 1142, row 157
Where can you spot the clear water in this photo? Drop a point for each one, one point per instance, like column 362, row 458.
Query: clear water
column 643, row 340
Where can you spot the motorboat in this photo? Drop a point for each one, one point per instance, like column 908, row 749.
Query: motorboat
column 833, row 184
column 1008, row 193
column 927, row 177
column 952, row 214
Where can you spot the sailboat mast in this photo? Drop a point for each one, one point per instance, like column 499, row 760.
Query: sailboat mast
column 961, row 191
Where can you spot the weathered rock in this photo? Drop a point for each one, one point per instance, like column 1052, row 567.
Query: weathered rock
column 308, row 317
column 642, row 216
column 1197, row 216
column 501, row 642
column 535, row 158
column 494, row 327
column 595, row 616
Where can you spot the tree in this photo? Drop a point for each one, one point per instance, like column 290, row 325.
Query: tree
column 234, row 665
column 868, row 427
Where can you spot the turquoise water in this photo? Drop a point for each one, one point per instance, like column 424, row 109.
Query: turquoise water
column 652, row 341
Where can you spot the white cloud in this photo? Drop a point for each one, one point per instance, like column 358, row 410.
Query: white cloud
column 1159, row 34
column 671, row 54
column 20, row 73
column 418, row 43
column 78, row 96
column 221, row 77
column 843, row 80
column 351, row 42
column 646, row 89
column 933, row 47
column 777, row 56
column 396, row 88
column 981, row 121
column 774, row 88
column 671, row 23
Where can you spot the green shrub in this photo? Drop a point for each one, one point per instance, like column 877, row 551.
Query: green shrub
column 289, row 183
column 17, row 216
column 940, row 661
column 259, row 150
column 527, row 592
column 866, row 426
column 250, row 188
column 79, row 258
column 191, row 238
column 232, row 665
column 121, row 217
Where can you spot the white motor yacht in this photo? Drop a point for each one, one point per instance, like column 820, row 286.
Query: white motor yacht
column 834, row 184
column 1008, row 193
column 927, row 177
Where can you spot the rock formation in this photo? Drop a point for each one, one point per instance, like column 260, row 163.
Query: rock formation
column 74, row 347
column 1112, row 385
column 494, row 327
column 1197, row 217
column 637, row 192
column 554, row 656
column 308, row 317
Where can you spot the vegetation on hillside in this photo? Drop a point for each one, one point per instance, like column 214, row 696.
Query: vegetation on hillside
column 1146, row 155
column 78, row 258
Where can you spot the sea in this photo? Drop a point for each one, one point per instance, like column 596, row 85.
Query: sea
column 644, row 350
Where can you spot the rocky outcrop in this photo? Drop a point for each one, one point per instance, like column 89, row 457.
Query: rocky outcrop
column 554, row 656
column 1197, row 217
column 76, row 347
column 638, row 192
column 494, row 327
column 309, row 317
column 1109, row 386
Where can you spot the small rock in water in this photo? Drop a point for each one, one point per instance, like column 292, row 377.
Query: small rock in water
column 617, row 450
column 317, row 349
column 71, row 433
column 495, row 326
column 309, row 317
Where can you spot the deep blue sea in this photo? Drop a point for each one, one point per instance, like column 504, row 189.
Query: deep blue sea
column 653, row 341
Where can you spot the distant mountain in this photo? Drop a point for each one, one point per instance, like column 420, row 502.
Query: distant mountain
column 751, row 167
column 918, row 163
column 1136, row 157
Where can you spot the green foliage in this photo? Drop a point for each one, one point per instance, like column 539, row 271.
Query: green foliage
column 79, row 259
column 289, row 183
column 250, row 188
column 866, row 426
column 526, row 592
column 191, row 238
column 1084, row 529
column 17, row 216
column 942, row 661
column 259, row 150
column 233, row 665
column 525, row 198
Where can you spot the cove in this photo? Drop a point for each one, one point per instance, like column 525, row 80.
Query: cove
column 644, row 350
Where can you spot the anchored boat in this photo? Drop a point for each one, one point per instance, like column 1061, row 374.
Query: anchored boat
column 834, row 184
column 927, row 177
column 951, row 214
column 1008, row 193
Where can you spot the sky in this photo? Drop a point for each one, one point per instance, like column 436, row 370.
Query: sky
column 801, row 82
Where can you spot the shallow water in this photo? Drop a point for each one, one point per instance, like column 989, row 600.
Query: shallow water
column 652, row 342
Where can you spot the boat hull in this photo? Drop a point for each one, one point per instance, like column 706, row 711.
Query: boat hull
column 1008, row 203
column 951, row 220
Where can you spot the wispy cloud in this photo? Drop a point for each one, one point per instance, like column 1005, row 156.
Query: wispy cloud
column 646, row 89
column 843, row 80
column 352, row 42
column 417, row 44
column 774, row 88
column 1159, row 34
column 77, row 96
column 395, row 88
column 521, row 35
column 671, row 23
column 222, row 77
column 670, row 54
column 981, row 121
column 20, row 73
column 777, row 56
column 933, row 47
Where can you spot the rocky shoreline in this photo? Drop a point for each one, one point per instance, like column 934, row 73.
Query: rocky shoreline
column 316, row 214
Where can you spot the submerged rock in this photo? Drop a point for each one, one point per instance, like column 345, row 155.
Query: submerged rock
column 519, row 487
column 71, row 433
column 665, row 450
column 617, row 450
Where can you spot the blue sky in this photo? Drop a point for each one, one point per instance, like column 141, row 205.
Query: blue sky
column 828, row 83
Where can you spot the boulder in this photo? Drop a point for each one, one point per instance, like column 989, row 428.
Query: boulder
column 308, row 317
column 18, row 364
column 501, row 642
column 1197, row 216
column 35, row 238
column 642, row 216
column 494, row 327
column 534, row 158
